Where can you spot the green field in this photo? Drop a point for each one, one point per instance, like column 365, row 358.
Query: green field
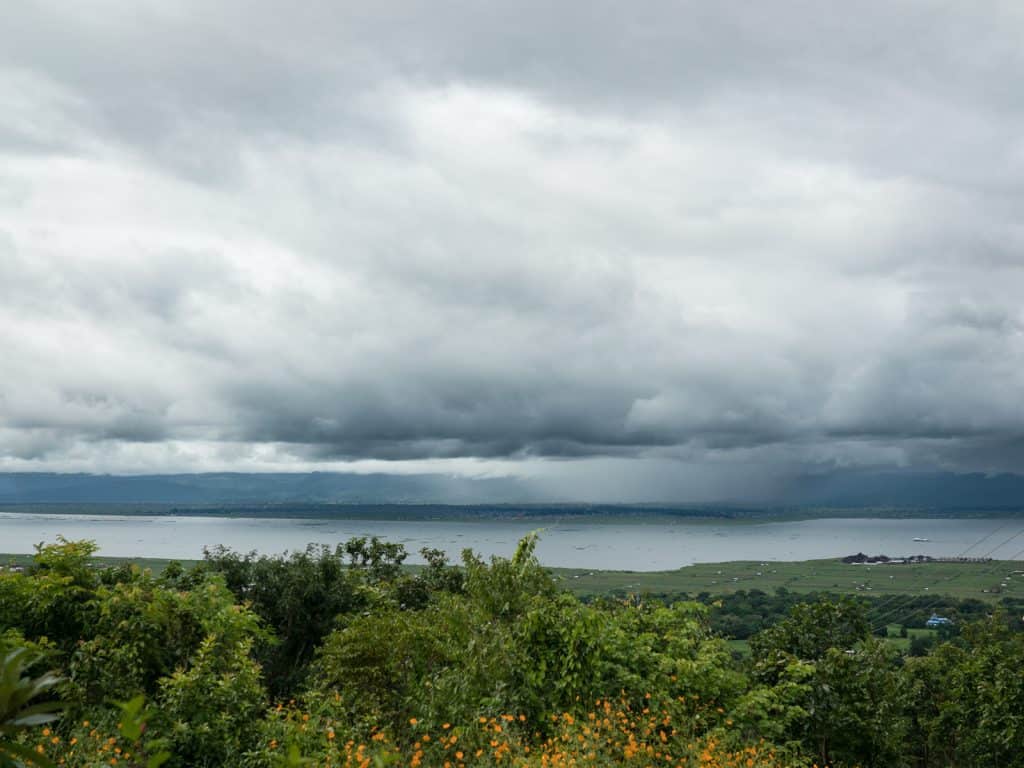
column 903, row 643
column 985, row 581
column 742, row 647
column 156, row 565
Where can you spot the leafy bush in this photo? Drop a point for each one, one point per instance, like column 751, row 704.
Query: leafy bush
column 20, row 709
column 208, row 712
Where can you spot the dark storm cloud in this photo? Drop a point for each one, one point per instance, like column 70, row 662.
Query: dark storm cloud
column 906, row 87
column 716, row 240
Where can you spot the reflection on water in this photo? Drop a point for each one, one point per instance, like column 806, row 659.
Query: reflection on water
column 610, row 545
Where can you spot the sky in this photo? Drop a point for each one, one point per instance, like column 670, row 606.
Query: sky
column 675, row 250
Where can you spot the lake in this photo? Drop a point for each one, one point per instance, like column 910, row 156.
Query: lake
column 604, row 544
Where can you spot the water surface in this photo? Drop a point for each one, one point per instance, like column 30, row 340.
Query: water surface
column 626, row 545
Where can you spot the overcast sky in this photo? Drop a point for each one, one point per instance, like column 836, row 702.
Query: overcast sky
column 669, row 249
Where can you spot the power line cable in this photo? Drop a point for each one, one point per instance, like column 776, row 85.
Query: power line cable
column 883, row 621
column 955, row 576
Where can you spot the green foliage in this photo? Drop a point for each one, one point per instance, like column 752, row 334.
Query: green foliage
column 437, row 578
column 778, row 712
column 502, row 588
column 338, row 656
column 52, row 599
column 134, row 716
column 857, row 707
column 968, row 698
column 378, row 660
column 510, row 642
column 300, row 596
column 838, row 690
column 143, row 631
column 501, row 641
column 206, row 712
column 292, row 758
column 380, row 560
column 70, row 559
column 19, row 708
column 811, row 630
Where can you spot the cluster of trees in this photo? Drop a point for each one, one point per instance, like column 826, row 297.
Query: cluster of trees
column 342, row 657
column 744, row 613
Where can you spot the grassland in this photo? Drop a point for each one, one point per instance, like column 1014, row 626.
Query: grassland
column 156, row 565
column 903, row 643
column 988, row 581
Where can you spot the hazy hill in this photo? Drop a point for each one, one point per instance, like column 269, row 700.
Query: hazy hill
column 238, row 488
column 850, row 489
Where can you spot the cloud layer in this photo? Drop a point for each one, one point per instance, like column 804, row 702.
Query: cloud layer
column 689, row 241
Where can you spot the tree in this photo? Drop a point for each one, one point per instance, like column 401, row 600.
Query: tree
column 857, row 707
column 968, row 698
column 299, row 596
column 843, row 693
column 811, row 629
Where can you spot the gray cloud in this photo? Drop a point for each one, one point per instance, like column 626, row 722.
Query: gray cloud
column 498, row 238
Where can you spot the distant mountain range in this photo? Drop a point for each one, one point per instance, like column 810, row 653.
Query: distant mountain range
column 241, row 488
column 928, row 490
column 850, row 489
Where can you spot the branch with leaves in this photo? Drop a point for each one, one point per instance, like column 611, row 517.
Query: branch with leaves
column 18, row 713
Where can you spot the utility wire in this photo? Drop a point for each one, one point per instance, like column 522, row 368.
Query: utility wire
column 883, row 621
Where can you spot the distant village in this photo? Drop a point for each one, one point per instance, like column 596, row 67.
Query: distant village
column 860, row 558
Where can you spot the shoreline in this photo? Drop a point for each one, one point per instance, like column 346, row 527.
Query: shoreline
column 488, row 513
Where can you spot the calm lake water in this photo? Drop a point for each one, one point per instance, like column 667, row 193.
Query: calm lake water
column 627, row 545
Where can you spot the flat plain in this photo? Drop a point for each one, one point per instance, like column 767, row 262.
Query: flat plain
column 987, row 581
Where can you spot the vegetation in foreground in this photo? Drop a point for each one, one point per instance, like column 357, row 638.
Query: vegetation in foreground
column 339, row 657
